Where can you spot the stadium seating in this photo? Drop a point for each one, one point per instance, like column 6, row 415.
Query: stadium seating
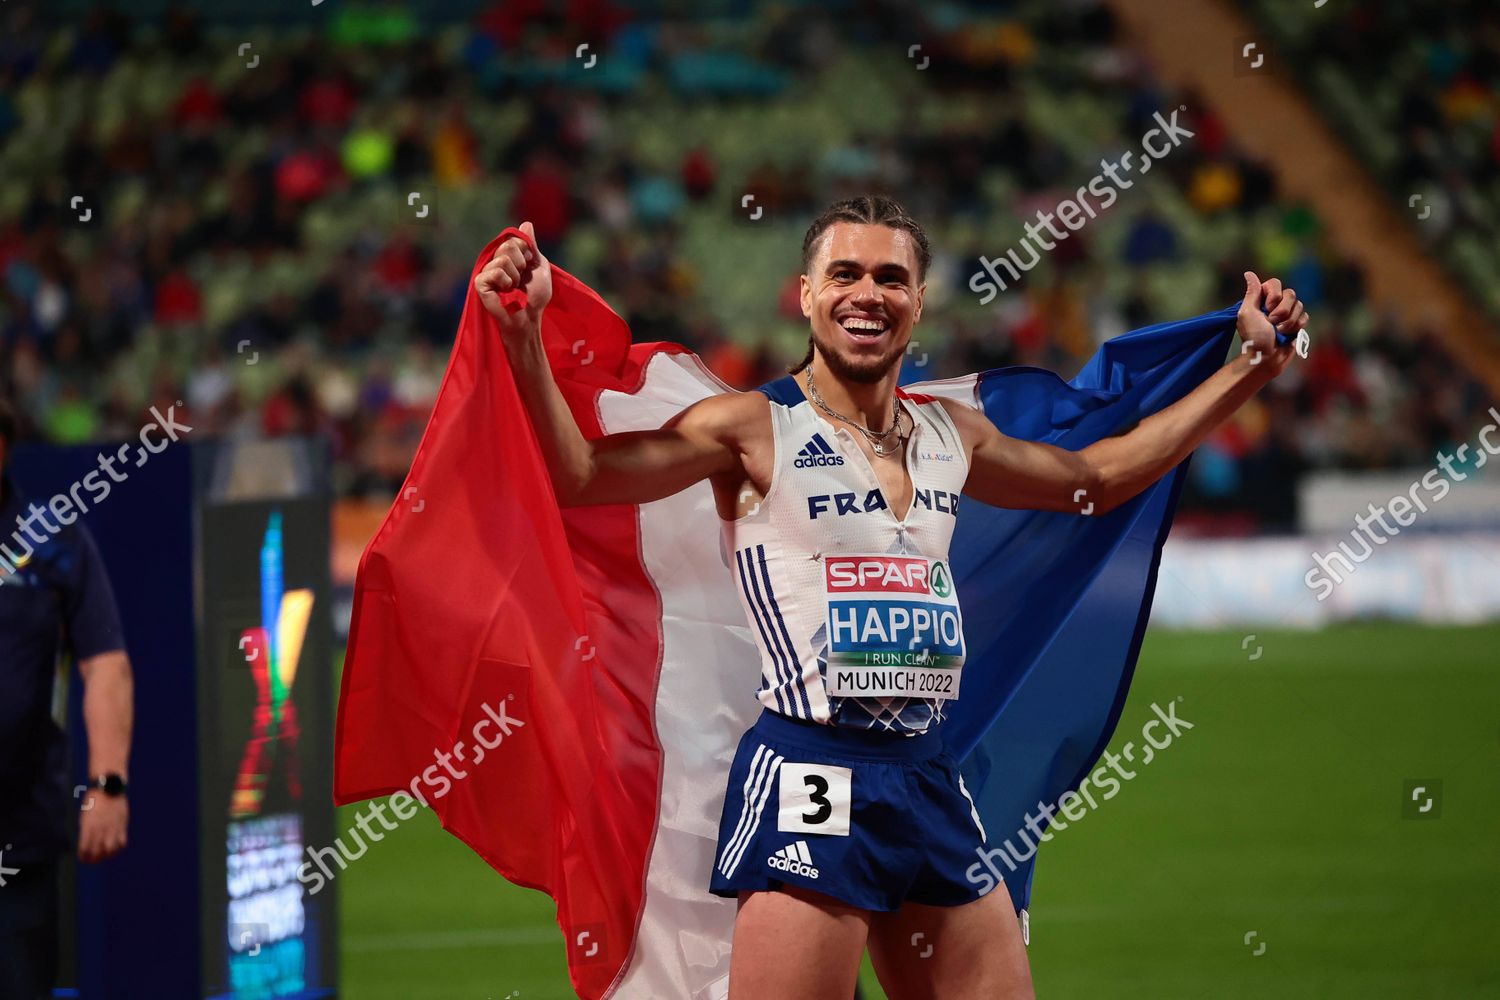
column 281, row 235
column 1425, row 116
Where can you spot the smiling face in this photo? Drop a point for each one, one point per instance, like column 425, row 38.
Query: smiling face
column 862, row 296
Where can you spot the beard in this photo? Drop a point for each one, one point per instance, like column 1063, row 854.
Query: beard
column 864, row 371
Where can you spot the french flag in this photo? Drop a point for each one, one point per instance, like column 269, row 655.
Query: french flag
column 613, row 634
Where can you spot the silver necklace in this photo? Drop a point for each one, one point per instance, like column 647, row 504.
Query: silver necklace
column 875, row 437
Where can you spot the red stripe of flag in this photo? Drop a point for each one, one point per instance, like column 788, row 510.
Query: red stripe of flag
column 478, row 590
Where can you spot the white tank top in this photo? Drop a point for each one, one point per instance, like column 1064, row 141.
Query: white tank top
column 855, row 613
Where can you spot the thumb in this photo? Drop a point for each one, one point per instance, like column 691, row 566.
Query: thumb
column 1252, row 291
column 526, row 228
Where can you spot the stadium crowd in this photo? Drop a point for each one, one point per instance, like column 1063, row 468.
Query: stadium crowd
column 1425, row 114
column 277, row 233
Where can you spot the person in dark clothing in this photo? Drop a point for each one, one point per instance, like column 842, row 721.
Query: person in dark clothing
column 54, row 598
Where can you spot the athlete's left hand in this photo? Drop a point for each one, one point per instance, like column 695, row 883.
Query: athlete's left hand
column 1258, row 329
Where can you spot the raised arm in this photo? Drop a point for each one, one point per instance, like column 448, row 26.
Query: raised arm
column 631, row 467
column 1006, row 472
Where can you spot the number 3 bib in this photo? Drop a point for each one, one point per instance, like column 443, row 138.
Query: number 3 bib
column 894, row 627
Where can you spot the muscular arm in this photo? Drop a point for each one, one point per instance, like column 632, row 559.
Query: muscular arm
column 633, row 467
column 1007, row 472
column 630, row 467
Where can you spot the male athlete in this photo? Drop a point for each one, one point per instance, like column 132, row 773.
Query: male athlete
column 846, row 824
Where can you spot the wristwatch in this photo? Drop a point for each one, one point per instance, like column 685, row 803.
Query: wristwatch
column 110, row 784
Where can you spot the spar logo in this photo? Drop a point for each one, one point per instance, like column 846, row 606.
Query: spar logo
column 816, row 452
column 883, row 574
column 941, row 585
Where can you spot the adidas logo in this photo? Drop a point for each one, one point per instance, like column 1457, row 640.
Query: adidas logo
column 816, row 452
column 794, row 858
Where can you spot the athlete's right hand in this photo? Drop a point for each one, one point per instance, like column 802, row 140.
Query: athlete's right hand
column 516, row 265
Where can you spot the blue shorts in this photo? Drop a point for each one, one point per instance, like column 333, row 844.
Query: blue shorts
column 874, row 819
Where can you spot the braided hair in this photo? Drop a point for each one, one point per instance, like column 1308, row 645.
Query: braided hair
column 869, row 210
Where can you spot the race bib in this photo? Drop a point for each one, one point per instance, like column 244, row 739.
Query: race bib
column 815, row 799
column 894, row 628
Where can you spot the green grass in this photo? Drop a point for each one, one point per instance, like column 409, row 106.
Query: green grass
column 1279, row 813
